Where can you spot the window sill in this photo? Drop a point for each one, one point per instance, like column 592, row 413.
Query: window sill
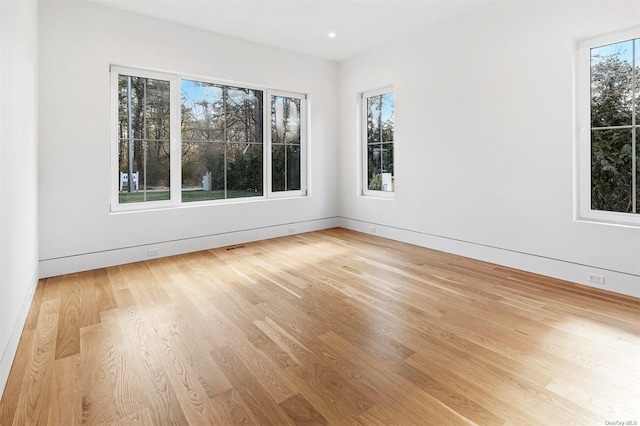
column 627, row 220
column 379, row 195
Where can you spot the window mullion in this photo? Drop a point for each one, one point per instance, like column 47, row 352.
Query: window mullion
column 267, row 155
column 634, row 171
column 175, row 137
column 225, row 121
column 129, row 133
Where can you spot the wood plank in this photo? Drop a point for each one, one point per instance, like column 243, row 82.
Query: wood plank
column 229, row 409
column 301, row 411
column 66, row 392
column 263, row 407
column 140, row 332
column 129, row 395
column 184, row 375
column 15, row 382
column 105, row 297
column 78, row 308
column 98, row 402
column 33, row 404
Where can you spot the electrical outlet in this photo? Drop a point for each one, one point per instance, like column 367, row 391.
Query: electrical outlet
column 153, row 252
column 292, row 230
column 596, row 279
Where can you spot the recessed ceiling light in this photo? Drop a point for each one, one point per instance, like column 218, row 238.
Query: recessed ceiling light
column 332, row 35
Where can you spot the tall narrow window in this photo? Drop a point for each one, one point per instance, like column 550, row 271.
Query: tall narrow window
column 287, row 143
column 143, row 139
column 614, row 110
column 378, row 117
column 222, row 133
column 610, row 71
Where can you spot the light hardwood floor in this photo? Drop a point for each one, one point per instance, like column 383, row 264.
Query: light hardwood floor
column 330, row 327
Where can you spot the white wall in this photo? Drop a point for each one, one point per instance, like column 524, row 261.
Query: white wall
column 78, row 43
column 18, row 172
column 484, row 140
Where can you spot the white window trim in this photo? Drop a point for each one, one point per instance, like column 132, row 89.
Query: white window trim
column 303, row 145
column 582, row 208
column 366, row 192
column 175, row 162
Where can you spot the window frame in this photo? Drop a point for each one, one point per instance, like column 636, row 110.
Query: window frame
column 265, row 142
column 365, row 191
column 303, row 144
column 175, row 138
column 174, row 169
column 583, row 210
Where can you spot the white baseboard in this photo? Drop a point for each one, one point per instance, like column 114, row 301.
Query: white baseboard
column 615, row 281
column 120, row 256
column 10, row 350
column 618, row 282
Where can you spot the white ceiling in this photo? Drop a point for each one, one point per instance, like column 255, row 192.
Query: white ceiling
column 303, row 25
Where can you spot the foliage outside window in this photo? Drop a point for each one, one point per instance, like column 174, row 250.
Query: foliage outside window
column 220, row 150
column 221, row 141
column 143, row 139
column 287, row 157
column 610, row 71
column 378, row 115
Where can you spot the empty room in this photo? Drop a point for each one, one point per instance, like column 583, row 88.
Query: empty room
column 393, row 212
